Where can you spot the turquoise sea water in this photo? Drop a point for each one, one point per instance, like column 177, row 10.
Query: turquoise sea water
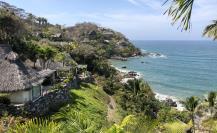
column 186, row 68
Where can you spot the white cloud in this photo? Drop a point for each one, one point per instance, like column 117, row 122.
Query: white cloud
column 205, row 10
column 144, row 25
column 153, row 4
column 134, row 2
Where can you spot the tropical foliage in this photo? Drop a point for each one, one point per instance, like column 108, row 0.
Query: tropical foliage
column 122, row 127
column 181, row 11
column 137, row 97
column 191, row 104
column 34, row 38
column 74, row 122
column 36, row 126
column 211, row 30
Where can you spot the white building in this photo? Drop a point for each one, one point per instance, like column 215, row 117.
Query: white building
column 22, row 84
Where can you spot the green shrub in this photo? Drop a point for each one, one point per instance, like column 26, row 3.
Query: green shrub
column 175, row 127
column 36, row 126
column 137, row 97
column 5, row 100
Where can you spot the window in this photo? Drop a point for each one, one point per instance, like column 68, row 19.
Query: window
column 36, row 92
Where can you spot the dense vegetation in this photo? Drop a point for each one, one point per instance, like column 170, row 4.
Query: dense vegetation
column 137, row 110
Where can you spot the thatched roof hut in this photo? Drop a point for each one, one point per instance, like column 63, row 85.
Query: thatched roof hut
column 14, row 75
column 59, row 66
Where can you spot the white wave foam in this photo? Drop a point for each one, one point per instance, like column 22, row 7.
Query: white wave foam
column 153, row 54
column 143, row 50
column 121, row 70
column 138, row 76
column 157, row 55
column 162, row 97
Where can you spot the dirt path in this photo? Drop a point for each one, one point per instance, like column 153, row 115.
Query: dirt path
column 111, row 109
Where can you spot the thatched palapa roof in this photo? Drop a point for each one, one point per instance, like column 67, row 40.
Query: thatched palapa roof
column 14, row 75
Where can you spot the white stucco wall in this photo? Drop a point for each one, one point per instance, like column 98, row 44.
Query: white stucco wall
column 21, row 97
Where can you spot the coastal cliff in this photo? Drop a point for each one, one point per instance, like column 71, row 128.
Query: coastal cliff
column 79, row 54
column 114, row 43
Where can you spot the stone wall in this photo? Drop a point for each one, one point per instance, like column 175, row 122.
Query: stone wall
column 45, row 105
column 48, row 103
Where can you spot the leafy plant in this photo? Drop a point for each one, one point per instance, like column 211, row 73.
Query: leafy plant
column 211, row 100
column 191, row 104
column 4, row 100
column 73, row 122
column 176, row 127
column 181, row 10
column 36, row 126
column 129, row 120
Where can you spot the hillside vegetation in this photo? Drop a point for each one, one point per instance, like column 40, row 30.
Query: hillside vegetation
column 136, row 110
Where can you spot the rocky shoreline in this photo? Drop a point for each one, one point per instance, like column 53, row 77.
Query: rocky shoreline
column 118, row 58
column 170, row 100
column 141, row 54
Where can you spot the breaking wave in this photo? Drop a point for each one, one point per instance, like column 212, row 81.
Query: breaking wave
column 153, row 54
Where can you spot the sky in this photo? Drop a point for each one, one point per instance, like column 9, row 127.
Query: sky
column 136, row 19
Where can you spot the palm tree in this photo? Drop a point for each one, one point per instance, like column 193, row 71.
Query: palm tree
column 191, row 104
column 181, row 10
column 39, row 19
column 211, row 100
column 44, row 22
column 136, row 85
column 211, row 30
column 31, row 18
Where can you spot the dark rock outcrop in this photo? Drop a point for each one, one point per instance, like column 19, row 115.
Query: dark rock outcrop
column 170, row 102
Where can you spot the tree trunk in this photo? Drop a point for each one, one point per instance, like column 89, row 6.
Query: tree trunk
column 34, row 64
column 192, row 117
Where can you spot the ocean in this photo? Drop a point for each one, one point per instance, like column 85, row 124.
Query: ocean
column 176, row 68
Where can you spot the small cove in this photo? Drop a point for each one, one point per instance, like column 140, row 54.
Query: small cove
column 185, row 68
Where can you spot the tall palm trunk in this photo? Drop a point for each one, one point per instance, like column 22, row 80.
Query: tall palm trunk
column 193, row 122
column 34, row 64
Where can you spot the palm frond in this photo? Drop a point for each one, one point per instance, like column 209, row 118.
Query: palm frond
column 211, row 30
column 36, row 126
column 73, row 121
column 180, row 10
column 191, row 103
